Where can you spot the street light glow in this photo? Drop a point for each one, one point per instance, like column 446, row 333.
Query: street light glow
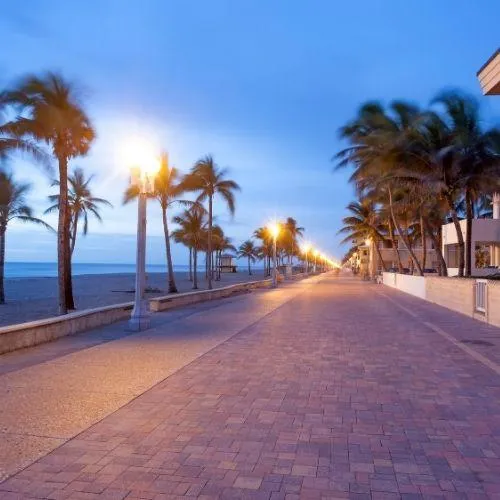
column 138, row 153
column 274, row 229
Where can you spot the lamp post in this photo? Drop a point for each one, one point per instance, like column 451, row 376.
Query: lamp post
column 143, row 179
column 274, row 229
column 305, row 249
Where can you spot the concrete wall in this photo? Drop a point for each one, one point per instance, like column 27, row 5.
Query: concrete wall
column 182, row 299
column 493, row 295
column 414, row 285
column 454, row 293
column 37, row 332
column 457, row 294
column 44, row 330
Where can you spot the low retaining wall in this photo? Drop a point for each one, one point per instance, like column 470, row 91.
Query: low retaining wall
column 183, row 299
column 456, row 294
column 44, row 330
column 414, row 285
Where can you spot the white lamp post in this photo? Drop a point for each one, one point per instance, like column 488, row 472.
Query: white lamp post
column 305, row 249
column 274, row 229
column 143, row 178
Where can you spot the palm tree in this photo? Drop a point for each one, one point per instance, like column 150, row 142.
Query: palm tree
column 168, row 187
column 210, row 180
column 51, row 113
column 363, row 223
column 292, row 232
column 224, row 244
column 81, row 204
column 12, row 206
column 266, row 247
column 380, row 157
column 192, row 232
column 477, row 154
column 249, row 251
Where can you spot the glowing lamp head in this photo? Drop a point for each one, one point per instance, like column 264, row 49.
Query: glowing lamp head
column 368, row 242
column 316, row 253
column 140, row 154
column 274, row 229
column 306, row 247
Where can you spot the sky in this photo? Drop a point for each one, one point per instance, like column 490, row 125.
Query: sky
column 262, row 85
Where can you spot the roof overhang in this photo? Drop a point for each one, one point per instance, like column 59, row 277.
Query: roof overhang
column 489, row 75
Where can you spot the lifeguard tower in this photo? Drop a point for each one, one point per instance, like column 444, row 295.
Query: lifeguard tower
column 227, row 264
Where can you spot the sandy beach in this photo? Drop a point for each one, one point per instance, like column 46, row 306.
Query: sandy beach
column 29, row 299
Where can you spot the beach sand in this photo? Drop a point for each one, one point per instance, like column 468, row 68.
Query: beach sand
column 29, row 299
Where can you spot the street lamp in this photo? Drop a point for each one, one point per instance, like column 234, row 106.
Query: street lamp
column 305, row 250
column 316, row 255
column 274, row 230
column 143, row 169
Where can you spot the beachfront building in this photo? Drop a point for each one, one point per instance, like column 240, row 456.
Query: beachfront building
column 485, row 244
column 370, row 261
column 390, row 256
column 489, row 75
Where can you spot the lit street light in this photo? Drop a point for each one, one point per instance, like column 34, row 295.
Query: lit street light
column 144, row 167
column 274, row 230
column 305, row 250
column 316, row 255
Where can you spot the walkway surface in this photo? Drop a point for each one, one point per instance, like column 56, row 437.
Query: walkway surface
column 334, row 389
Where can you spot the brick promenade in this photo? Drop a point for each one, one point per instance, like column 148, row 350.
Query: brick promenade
column 339, row 393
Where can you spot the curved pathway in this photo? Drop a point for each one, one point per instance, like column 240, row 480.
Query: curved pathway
column 344, row 391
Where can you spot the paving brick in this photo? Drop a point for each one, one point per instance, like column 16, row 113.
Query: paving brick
column 337, row 394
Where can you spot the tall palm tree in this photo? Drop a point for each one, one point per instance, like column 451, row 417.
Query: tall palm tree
column 168, row 187
column 292, row 231
column 13, row 206
column 81, row 204
column 249, row 251
column 225, row 244
column 363, row 223
column 266, row 247
column 192, row 232
column 477, row 153
column 52, row 113
column 210, row 180
column 378, row 152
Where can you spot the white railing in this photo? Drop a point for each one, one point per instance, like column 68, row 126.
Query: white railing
column 481, row 295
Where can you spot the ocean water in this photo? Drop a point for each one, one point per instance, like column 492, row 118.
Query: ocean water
column 48, row 269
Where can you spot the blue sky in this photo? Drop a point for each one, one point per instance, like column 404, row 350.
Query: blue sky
column 263, row 85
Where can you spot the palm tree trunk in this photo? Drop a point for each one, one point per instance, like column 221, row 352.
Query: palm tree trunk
column 3, row 231
column 190, row 264
column 172, row 288
column 460, row 236
column 469, row 214
column 206, row 265
column 74, row 232
column 210, row 211
column 379, row 253
column 195, row 272
column 437, row 245
column 62, row 237
column 424, row 242
column 403, row 237
column 395, row 246
column 249, row 268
